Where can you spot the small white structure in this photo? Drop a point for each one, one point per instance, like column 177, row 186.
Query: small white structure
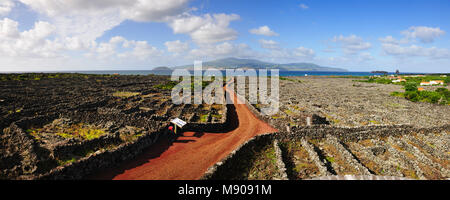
column 438, row 82
column 178, row 123
column 399, row 80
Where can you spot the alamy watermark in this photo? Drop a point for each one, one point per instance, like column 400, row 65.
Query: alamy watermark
column 214, row 93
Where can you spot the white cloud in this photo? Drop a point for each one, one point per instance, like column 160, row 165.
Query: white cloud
column 352, row 44
column 303, row 6
column 263, row 30
column 268, row 44
column 391, row 40
column 304, row 52
column 423, row 33
column 142, row 51
column 73, row 26
column 221, row 50
column 414, row 50
column 6, row 7
column 31, row 42
column 365, row 56
column 119, row 47
column 176, row 46
column 91, row 18
column 206, row 29
column 137, row 10
column 9, row 28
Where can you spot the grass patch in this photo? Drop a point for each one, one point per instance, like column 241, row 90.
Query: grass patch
column 78, row 131
column 217, row 116
column 82, row 133
column 40, row 76
column 264, row 167
column 64, row 162
column 289, row 79
column 288, row 112
column 167, row 86
column 123, row 94
column 330, row 159
column 440, row 95
column 204, row 118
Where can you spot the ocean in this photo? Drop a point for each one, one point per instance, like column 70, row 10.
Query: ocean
column 282, row 73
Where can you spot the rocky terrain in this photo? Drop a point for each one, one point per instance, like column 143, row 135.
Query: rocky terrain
column 344, row 102
column 328, row 128
column 358, row 129
column 52, row 122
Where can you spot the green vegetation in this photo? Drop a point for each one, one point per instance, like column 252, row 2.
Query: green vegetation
column 330, row 159
column 410, row 86
column 349, row 76
column 168, row 86
column 217, row 116
column 288, row 112
column 409, row 80
column 40, row 76
column 204, row 118
column 64, row 162
column 289, row 79
column 376, row 80
column 83, row 133
column 264, row 167
column 277, row 116
column 440, row 95
column 171, row 84
column 80, row 131
column 124, row 94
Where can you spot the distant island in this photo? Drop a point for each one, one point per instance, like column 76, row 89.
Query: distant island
column 232, row 63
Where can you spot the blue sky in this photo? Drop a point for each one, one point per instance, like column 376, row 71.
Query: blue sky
column 39, row 35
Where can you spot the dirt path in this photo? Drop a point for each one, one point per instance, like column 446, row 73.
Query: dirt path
column 190, row 155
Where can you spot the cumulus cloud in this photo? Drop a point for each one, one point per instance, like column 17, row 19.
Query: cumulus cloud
column 268, row 44
column 93, row 17
column 304, row 52
column 423, row 33
column 263, row 30
column 351, row 44
column 31, row 42
column 391, row 40
column 73, row 26
column 281, row 55
column 303, row 6
column 9, row 28
column 120, row 47
column 206, row 29
column 221, row 50
column 137, row 10
column 414, row 50
column 176, row 46
column 6, row 7
column 407, row 47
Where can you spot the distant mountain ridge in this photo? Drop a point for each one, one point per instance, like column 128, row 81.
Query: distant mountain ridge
column 232, row 63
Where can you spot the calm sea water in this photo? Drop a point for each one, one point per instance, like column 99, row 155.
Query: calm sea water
column 282, row 73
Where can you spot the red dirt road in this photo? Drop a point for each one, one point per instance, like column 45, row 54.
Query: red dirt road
column 190, row 156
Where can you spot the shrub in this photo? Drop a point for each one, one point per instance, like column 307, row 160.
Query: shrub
column 168, row 86
column 430, row 96
column 410, row 86
column 412, row 95
column 444, row 92
column 397, row 94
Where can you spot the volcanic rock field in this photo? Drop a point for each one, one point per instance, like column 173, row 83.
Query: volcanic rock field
column 68, row 127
